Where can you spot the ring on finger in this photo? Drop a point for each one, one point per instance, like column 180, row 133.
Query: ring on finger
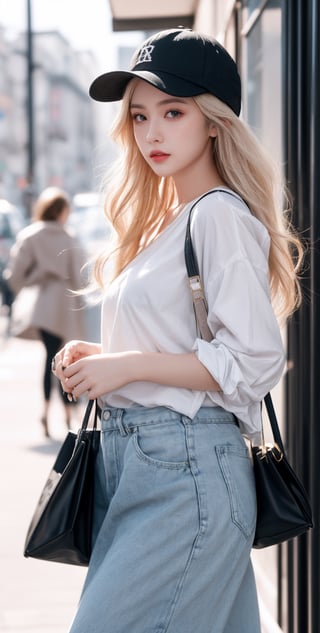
column 53, row 364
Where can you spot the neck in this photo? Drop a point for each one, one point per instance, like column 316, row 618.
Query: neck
column 63, row 217
column 186, row 194
column 197, row 183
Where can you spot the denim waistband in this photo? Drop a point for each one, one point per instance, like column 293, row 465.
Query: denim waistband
column 113, row 418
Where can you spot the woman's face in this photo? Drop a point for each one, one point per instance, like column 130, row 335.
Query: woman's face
column 171, row 133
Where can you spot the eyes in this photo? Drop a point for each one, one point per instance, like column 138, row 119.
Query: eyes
column 138, row 117
column 173, row 114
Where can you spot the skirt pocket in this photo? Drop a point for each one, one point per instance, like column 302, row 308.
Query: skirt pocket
column 237, row 472
column 162, row 445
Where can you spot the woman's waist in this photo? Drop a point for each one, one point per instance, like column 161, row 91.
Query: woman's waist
column 150, row 395
column 137, row 416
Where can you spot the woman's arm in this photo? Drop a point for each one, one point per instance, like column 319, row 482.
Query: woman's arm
column 100, row 374
column 175, row 370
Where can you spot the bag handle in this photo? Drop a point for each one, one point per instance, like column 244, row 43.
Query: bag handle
column 273, row 422
column 201, row 309
column 87, row 414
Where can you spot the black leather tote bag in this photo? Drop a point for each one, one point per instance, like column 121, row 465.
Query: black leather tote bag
column 283, row 507
column 61, row 526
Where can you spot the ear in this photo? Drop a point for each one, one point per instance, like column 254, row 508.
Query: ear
column 213, row 132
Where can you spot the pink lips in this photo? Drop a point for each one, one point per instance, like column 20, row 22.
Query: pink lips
column 158, row 157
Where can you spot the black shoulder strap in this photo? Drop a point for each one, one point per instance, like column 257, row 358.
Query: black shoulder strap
column 201, row 310
column 191, row 262
column 198, row 297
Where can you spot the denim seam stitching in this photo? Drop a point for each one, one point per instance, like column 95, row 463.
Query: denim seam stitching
column 203, row 521
column 241, row 524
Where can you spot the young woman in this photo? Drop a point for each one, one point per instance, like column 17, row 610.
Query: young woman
column 48, row 259
column 175, row 499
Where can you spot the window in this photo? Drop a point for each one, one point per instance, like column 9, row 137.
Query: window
column 262, row 71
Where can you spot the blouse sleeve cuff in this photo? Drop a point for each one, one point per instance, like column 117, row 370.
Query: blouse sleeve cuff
column 219, row 362
column 235, row 396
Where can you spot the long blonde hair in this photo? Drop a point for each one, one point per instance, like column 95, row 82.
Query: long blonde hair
column 137, row 198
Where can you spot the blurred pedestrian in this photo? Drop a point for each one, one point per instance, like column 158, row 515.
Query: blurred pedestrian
column 44, row 267
column 175, row 502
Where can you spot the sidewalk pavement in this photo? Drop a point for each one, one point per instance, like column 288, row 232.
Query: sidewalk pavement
column 36, row 596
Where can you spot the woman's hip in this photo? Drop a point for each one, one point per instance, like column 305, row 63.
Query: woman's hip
column 151, row 454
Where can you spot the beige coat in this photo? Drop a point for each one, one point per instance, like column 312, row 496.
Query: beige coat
column 44, row 265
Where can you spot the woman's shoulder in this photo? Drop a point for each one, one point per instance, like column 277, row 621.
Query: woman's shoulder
column 29, row 232
column 219, row 201
column 223, row 224
column 223, row 209
column 41, row 232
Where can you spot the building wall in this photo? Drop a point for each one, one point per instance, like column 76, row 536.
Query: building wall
column 65, row 130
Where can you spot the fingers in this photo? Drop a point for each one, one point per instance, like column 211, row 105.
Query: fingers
column 73, row 380
column 69, row 357
column 58, row 368
column 79, row 390
column 80, row 376
column 66, row 356
column 64, row 367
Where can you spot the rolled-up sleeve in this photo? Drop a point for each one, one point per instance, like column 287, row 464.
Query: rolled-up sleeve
column 246, row 355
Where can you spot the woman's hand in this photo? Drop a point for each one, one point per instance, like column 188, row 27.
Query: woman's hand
column 71, row 352
column 96, row 374
column 74, row 350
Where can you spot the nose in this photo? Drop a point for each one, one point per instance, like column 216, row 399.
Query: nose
column 154, row 134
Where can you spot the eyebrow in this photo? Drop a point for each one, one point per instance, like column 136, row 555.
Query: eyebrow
column 162, row 102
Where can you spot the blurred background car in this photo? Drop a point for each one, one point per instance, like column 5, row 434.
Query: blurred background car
column 12, row 220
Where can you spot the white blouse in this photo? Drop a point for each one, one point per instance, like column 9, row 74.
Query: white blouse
column 148, row 307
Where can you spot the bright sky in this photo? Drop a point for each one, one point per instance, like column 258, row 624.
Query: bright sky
column 86, row 24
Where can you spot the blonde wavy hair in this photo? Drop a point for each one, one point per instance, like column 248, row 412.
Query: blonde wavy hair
column 137, row 198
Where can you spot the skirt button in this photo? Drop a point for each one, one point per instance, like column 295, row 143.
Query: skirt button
column 106, row 415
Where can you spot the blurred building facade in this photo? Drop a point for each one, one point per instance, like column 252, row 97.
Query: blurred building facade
column 63, row 115
column 276, row 46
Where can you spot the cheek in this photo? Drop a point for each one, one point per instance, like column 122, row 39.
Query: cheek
column 200, row 132
column 201, row 137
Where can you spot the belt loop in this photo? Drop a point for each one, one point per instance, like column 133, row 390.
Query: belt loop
column 122, row 429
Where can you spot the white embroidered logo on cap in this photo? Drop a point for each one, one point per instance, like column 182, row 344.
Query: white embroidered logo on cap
column 145, row 54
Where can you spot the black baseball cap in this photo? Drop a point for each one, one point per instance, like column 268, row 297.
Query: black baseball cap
column 180, row 62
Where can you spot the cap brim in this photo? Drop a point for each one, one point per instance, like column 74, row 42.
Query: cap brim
column 111, row 86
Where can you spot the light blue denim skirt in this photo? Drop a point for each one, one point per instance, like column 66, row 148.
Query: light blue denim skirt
column 175, row 513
